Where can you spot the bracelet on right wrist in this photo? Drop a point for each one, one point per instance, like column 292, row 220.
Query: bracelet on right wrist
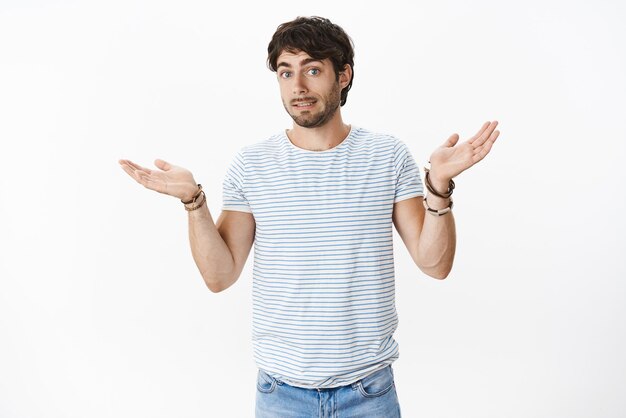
column 196, row 206
column 194, row 197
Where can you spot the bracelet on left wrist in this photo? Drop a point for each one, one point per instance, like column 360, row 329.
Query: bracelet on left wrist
column 432, row 188
column 437, row 212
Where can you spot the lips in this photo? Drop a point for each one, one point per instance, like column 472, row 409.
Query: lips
column 303, row 104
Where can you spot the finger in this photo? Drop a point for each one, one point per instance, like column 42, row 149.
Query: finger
column 145, row 179
column 480, row 132
column 132, row 171
column 149, row 182
column 123, row 163
column 140, row 168
column 139, row 176
column 450, row 142
column 485, row 135
column 489, row 142
column 163, row 165
column 482, row 151
column 136, row 166
column 128, row 169
column 492, row 138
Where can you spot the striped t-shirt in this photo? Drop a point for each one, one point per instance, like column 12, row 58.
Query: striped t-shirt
column 323, row 285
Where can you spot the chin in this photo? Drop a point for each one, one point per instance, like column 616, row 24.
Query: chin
column 312, row 121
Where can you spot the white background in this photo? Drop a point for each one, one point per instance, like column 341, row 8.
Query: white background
column 102, row 310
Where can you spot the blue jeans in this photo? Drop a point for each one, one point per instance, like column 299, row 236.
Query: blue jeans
column 374, row 396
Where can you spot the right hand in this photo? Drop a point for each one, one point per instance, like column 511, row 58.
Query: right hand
column 172, row 180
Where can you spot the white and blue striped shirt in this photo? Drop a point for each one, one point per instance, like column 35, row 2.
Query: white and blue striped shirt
column 323, row 284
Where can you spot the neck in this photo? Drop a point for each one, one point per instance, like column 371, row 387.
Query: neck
column 320, row 138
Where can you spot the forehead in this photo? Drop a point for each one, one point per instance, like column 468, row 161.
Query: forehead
column 296, row 58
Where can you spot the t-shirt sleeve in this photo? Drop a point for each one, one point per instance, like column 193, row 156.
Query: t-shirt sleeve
column 233, row 196
column 408, row 179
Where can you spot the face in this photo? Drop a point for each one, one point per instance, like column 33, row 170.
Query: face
column 309, row 88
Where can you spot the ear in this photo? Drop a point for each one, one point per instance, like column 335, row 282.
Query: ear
column 345, row 76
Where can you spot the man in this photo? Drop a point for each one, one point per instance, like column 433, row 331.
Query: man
column 318, row 201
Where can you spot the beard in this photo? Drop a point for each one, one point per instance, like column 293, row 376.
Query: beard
column 331, row 102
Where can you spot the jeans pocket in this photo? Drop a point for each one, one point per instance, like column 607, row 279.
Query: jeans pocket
column 377, row 383
column 264, row 382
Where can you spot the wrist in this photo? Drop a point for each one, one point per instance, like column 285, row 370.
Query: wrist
column 192, row 194
column 196, row 202
column 437, row 210
column 439, row 182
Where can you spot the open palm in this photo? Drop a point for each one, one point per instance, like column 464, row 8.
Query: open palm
column 170, row 179
column 448, row 161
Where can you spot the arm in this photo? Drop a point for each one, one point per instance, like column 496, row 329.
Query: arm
column 431, row 240
column 220, row 251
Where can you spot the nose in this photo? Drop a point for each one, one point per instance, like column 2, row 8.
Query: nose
column 299, row 84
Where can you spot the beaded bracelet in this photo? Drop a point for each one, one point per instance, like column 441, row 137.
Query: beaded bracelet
column 438, row 212
column 199, row 204
column 195, row 196
column 431, row 189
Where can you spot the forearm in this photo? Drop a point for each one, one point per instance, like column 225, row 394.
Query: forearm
column 437, row 243
column 211, row 254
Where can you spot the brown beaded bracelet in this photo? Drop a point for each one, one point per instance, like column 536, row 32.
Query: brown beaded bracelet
column 199, row 204
column 195, row 196
column 432, row 190
column 438, row 212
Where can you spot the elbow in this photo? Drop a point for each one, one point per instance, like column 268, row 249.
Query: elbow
column 214, row 288
column 439, row 271
column 438, row 268
column 439, row 274
column 217, row 285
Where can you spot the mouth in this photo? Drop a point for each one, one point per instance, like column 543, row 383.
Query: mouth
column 304, row 104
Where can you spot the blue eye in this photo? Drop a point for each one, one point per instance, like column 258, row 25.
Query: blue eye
column 285, row 74
column 314, row 71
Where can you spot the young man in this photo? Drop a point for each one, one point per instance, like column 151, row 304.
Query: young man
column 319, row 201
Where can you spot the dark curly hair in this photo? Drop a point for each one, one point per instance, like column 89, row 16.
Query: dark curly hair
column 318, row 37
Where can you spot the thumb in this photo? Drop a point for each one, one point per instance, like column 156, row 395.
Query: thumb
column 163, row 165
column 450, row 142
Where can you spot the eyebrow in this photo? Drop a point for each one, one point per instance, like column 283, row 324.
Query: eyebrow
column 302, row 63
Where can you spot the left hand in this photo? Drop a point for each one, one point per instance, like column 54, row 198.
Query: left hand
column 448, row 161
